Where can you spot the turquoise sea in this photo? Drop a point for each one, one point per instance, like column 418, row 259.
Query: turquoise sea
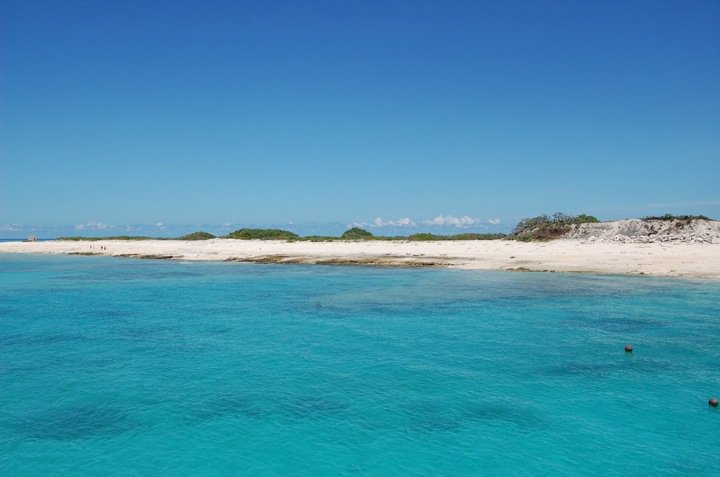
column 130, row 367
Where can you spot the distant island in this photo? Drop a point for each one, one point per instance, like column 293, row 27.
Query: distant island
column 533, row 229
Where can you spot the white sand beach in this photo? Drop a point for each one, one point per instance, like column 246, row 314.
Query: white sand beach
column 674, row 259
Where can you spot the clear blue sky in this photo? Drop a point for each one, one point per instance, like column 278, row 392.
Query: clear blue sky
column 329, row 113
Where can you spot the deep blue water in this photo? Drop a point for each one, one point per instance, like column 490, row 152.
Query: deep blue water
column 129, row 367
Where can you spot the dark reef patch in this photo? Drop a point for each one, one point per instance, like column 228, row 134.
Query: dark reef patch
column 232, row 405
column 79, row 422
column 615, row 324
column 312, row 407
column 430, row 417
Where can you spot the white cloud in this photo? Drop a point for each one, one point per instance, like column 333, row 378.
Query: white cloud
column 380, row 222
column 93, row 225
column 290, row 222
column 403, row 222
column 462, row 222
column 452, row 221
column 10, row 228
column 160, row 225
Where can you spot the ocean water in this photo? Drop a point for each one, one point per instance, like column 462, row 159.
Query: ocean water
column 129, row 367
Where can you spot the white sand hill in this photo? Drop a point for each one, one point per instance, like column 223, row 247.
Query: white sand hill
column 648, row 231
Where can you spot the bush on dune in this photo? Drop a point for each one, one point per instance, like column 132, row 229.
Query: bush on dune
column 546, row 227
column 683, row 218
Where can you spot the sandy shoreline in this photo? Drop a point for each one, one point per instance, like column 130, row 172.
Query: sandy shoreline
column 697, row 260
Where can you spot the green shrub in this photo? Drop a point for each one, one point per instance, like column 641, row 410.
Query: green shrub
column 423, row 236
column 197, row 236
column 356, row 233
column 263, row 234
column 585, row 219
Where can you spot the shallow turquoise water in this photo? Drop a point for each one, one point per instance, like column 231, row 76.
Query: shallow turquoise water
column 113, row 366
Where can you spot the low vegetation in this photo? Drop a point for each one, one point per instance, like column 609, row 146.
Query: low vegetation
column 263, row 234
column 683, row 218
column 197, row 236
column 548, row 227
column 468, row 236
column 318, row 238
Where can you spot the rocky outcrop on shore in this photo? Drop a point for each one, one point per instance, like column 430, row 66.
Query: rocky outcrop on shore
column 649, row 231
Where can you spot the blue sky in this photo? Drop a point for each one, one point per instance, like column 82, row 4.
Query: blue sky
column 159, row 117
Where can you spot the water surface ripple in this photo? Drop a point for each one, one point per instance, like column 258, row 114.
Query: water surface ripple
column 165, row 368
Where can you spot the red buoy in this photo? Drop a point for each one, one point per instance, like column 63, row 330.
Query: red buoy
column 713, row 402
column 628, row 348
